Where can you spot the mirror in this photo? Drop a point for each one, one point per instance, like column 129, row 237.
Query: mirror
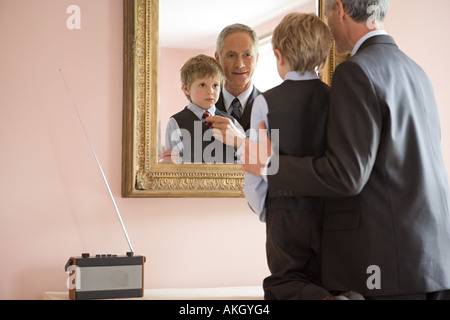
column 147, row 97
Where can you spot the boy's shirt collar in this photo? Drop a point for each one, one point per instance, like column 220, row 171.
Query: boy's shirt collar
column 298, row 76
column 199, row 111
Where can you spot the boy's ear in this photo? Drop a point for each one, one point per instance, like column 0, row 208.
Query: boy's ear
column 279, row 56
column 185, row 89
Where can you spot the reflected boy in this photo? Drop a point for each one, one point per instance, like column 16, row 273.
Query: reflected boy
column 189, row 135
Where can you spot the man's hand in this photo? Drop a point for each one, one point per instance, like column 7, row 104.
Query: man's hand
column 256, row 154
column 226, row 131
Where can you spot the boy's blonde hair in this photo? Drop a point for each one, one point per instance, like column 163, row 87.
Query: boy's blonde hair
column 200, row 66
column 304, row 40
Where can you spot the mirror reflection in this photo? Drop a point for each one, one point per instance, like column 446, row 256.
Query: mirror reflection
column 211, row 70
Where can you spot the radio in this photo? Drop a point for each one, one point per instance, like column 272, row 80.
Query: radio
column 104, row 276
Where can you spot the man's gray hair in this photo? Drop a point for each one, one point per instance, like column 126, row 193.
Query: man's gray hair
column 235, row 28
column 362, row 10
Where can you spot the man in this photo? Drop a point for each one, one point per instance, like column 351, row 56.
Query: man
column 237, row 53
column 387, row 220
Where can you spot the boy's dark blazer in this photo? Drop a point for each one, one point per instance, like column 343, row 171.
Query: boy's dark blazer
column 387, row 219
column 245, row 120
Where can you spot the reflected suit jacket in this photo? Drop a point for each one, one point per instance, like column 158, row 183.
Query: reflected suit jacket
column 386, row 222
column 245, row 120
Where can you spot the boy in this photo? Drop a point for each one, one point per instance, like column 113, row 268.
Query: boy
column 188, row 134
column 298, row 109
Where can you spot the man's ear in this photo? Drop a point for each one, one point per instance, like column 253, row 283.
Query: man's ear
column 339, row 6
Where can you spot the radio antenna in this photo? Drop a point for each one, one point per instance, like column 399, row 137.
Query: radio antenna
column 98, row 163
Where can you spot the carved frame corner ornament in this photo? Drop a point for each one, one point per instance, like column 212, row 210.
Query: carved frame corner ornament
column 142, row 175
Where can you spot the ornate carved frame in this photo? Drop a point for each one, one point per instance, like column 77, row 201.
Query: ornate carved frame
column 142, row 175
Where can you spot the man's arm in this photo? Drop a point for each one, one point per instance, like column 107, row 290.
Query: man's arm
column 227, row 131
column 353, row 136
column 255, row 187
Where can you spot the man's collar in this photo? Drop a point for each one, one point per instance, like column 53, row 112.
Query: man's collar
column 367, row 36
column 243, row 97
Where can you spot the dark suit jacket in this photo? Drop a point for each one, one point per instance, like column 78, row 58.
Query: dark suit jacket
column 388, row 206
column 245, row 120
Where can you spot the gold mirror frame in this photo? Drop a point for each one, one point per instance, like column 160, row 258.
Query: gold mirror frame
column 142, row 175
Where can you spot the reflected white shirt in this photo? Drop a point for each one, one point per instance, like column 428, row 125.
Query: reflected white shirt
column 243, row 98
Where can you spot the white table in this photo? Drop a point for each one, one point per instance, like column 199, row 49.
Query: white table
column 225, row 293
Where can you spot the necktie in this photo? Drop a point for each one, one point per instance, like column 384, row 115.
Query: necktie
column 237, row 109
column 206, row 114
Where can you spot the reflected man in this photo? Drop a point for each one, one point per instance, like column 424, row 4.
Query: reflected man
column 237, row 52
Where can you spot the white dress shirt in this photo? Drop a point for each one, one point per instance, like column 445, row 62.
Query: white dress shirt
column 243, row 98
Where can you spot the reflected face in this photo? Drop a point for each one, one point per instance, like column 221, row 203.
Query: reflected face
column 238, row 60
column 204, row 92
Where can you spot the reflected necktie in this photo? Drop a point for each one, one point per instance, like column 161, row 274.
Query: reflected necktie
column 206, row 114
column 237, row 109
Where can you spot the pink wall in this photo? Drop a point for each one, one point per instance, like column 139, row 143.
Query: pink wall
column 53, row 203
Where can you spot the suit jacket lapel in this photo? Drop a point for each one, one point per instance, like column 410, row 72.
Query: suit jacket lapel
column 220, row 104
column 245, row 120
